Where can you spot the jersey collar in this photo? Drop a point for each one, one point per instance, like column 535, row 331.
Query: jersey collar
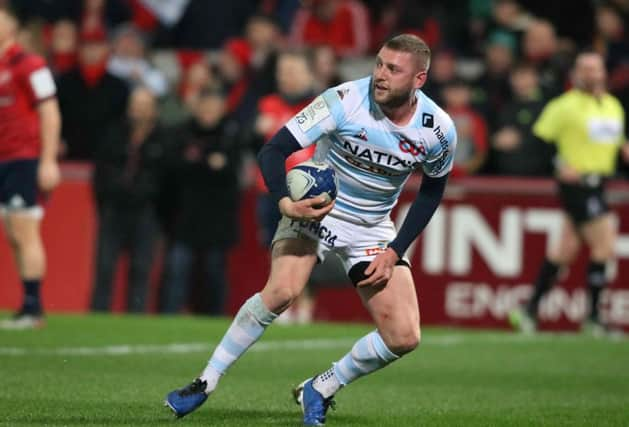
column 12, row 50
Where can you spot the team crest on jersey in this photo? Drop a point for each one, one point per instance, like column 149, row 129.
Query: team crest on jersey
column 413, row 148
column 362, row 134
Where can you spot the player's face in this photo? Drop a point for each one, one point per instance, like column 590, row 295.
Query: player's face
column 7, row 27
column 589, row 72
column 395, row 77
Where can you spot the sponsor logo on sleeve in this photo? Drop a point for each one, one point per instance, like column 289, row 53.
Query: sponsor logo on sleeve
column 312, row 114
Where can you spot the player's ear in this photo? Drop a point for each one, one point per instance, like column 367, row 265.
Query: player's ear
column 420, row 79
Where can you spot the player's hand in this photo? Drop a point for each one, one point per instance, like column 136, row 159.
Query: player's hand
column 305, row 210
column 380, row 269
column 48, row 175
column 568, row 174
column 625, row 152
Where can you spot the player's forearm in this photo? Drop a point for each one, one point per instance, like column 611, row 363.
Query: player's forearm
column 421, row 211
column 272, row 159
column 50, row 127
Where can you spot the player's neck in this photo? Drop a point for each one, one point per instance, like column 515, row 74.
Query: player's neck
column 402, row 114
column 4, row 46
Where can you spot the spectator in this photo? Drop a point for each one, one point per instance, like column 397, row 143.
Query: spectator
column 205, row 199
column 325, row 68
column 90, row 98
column 128, row 62
column 262, row 35
column 442, row 71
column 492, row 89
column 541, row 47
column 128, row 168
column 514, row 149
column 343, row 24
column 610, row 40
column 234, row 71
column 198, row 78
column 64, row 42
column 471, row 128
column 509, row 17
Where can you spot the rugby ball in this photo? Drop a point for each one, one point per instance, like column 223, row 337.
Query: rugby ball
column 311, row 179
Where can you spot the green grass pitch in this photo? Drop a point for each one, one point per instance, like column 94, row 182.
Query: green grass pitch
column 98, row 370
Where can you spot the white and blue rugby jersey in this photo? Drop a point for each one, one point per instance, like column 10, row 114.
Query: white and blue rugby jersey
column 372, row 156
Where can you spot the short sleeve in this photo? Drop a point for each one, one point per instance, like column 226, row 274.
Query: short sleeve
column 548, row 124
column 321, row 117
column 440, row 157
column 37, row 79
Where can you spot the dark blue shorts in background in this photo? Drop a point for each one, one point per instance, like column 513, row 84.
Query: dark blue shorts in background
column 18, row 184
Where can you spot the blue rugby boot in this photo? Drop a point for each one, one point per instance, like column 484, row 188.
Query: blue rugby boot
column 187, row 399
column 313, row 404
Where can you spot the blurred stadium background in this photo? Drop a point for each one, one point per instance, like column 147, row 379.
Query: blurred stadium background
column 495, row 63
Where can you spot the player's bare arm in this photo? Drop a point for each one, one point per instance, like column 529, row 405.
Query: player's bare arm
column 625, row 152
column 48, row 175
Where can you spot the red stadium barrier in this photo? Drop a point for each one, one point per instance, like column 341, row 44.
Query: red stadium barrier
column 476, row 260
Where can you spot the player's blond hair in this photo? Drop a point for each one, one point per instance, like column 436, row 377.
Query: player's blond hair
column 412, row 44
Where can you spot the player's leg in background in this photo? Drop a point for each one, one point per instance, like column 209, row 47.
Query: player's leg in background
column 558, row 257
column 23, row 232
column 292, row 262
column 600, row 235
column 22, row 220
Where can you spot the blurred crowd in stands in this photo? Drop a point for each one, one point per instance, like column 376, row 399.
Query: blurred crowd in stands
column 170, row 100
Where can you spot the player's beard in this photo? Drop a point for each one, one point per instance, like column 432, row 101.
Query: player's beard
column 393, row 98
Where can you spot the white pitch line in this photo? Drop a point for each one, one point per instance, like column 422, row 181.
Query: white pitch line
column 264, row 346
